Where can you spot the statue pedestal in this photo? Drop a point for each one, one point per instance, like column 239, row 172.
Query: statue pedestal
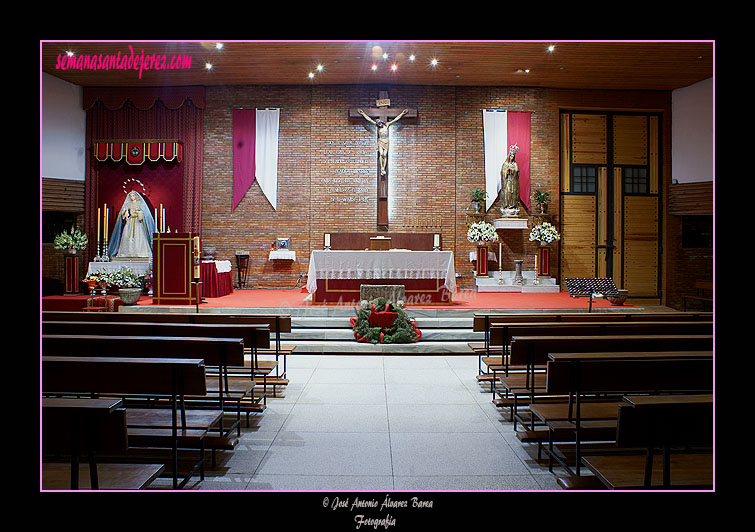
column 504, row 281
column 510, row 223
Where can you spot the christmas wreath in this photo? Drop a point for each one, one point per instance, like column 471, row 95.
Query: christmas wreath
column 381, row 322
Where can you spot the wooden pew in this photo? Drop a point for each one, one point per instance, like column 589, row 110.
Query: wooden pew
column 501, row 333
column 217, row 393
column 278, row 323
column 71, row 376
column 578, row 374
column 482, row 322
column 532, row 351
column 658, row 422
column 74, row 427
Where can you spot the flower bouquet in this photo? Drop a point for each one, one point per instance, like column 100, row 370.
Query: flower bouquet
column 73, row 240
column 544, row 233
column 481, row 232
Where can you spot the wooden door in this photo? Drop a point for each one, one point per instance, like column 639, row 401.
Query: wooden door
column 610, row 199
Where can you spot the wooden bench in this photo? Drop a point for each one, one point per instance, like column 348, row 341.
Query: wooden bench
column 74, row 427
column 703, row 293
column 680, row 426
column 254, row 336
column 532, row 351
column 219, row 392
column 482, row 321
column 278, row 323
column 501, row 333
column 73, row 376
column 578, row 374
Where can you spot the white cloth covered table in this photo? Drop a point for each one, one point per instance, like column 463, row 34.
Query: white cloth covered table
column 281, row 254
column 223, row 266
column 394, row 264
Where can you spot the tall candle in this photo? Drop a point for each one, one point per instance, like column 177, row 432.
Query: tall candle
column 500, row 257
column 162, row 218
column 535, row 262
column 106, row 220
column 98, row 229
column 436, row 240
column 157, row 227
column 327, row 240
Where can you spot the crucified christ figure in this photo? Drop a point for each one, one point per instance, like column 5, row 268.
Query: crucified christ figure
column 383, row 139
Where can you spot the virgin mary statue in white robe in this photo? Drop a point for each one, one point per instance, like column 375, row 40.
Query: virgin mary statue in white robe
column 133, row 229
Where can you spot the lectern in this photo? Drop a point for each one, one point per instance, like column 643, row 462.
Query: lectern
column 173, row 269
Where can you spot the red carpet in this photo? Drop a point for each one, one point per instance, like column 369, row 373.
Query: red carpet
column 295, row 298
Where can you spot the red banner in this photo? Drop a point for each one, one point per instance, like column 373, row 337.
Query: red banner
column 138, row 151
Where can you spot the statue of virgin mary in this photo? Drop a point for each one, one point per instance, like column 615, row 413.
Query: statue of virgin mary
column 133, row 229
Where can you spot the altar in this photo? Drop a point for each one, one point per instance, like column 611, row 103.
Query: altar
column 335, row 276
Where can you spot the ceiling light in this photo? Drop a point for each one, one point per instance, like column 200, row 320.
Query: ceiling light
column 434, row 62
column 385, row 55
column 311, row 75
column 551, row 47
column 219, row 45
column 69, row 53
column 374, row 67
column 208, row 66
column 319, row 68
column 394, row 67
column 412, row 57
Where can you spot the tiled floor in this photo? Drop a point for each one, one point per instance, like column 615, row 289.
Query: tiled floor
column 379, row 423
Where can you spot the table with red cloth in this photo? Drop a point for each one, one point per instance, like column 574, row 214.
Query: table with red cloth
column 216, row 277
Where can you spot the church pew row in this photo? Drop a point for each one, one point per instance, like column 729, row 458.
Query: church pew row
column 183, row 435
column 482, row 321
column 263, row 367
column 532, row 351
column 502, row 333
column 75, row 427
column 634, row 375
column 219, row 395
column 674, row 434
column 255, row 337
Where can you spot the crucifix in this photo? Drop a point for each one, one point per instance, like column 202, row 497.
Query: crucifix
column 382, row 116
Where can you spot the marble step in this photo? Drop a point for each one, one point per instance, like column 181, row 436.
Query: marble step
column 423, row 346
column 346, row 334
column 329, row 322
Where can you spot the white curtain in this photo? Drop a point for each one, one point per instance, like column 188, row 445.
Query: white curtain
column 494, row 130
column 266, row 153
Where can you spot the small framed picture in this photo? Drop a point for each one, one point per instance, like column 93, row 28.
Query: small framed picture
column 282, row 243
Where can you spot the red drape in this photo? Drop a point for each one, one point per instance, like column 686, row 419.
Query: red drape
column 244, row 124
column 518, row 132
column 158, row 113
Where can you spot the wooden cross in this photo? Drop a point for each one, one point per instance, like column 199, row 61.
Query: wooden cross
column 382, row 116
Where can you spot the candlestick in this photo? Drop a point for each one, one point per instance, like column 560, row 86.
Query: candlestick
column 157, row 221
column 98, row 232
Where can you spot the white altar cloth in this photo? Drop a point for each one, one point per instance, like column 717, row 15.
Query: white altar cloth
column 139, row 267
column 223, row 266
column 393, row 264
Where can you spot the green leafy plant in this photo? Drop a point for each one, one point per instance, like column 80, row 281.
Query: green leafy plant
column 541, row 196
column 478, row 196
column 402, row 330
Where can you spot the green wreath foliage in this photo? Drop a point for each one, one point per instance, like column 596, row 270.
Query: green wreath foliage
column 401, row 331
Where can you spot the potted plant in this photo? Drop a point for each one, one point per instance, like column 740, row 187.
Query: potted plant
column 71, row 242
column 541, row 198
column 544, row 233
column 478, row 199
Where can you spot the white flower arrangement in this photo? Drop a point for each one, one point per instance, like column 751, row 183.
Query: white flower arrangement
column 124, row 277
column 73, row 240
column 481, row 232
column 544, row 232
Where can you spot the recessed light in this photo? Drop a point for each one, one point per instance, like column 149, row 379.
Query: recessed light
column 208, row 66
column 385, row 55
column 551, row 47
column 69, row 53
column 374, row 67
column 319, row 68
column 412, row 57
column 434, row 62
column 394, row 67
column 219, row 45
column 311, row 75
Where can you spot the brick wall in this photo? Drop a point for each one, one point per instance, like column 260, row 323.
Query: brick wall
column 327, row 167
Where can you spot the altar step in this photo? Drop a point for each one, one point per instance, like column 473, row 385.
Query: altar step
column 504, row 282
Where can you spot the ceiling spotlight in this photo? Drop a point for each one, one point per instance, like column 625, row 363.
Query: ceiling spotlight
column 219, row 45
column 374, row 67
column 69, row 53
column 385, row 55
column 394, row 67
column 434, row 62
column 412, row 57
column 319, row 68
column 208, row 66
column 311, row 75
column 551, row 47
